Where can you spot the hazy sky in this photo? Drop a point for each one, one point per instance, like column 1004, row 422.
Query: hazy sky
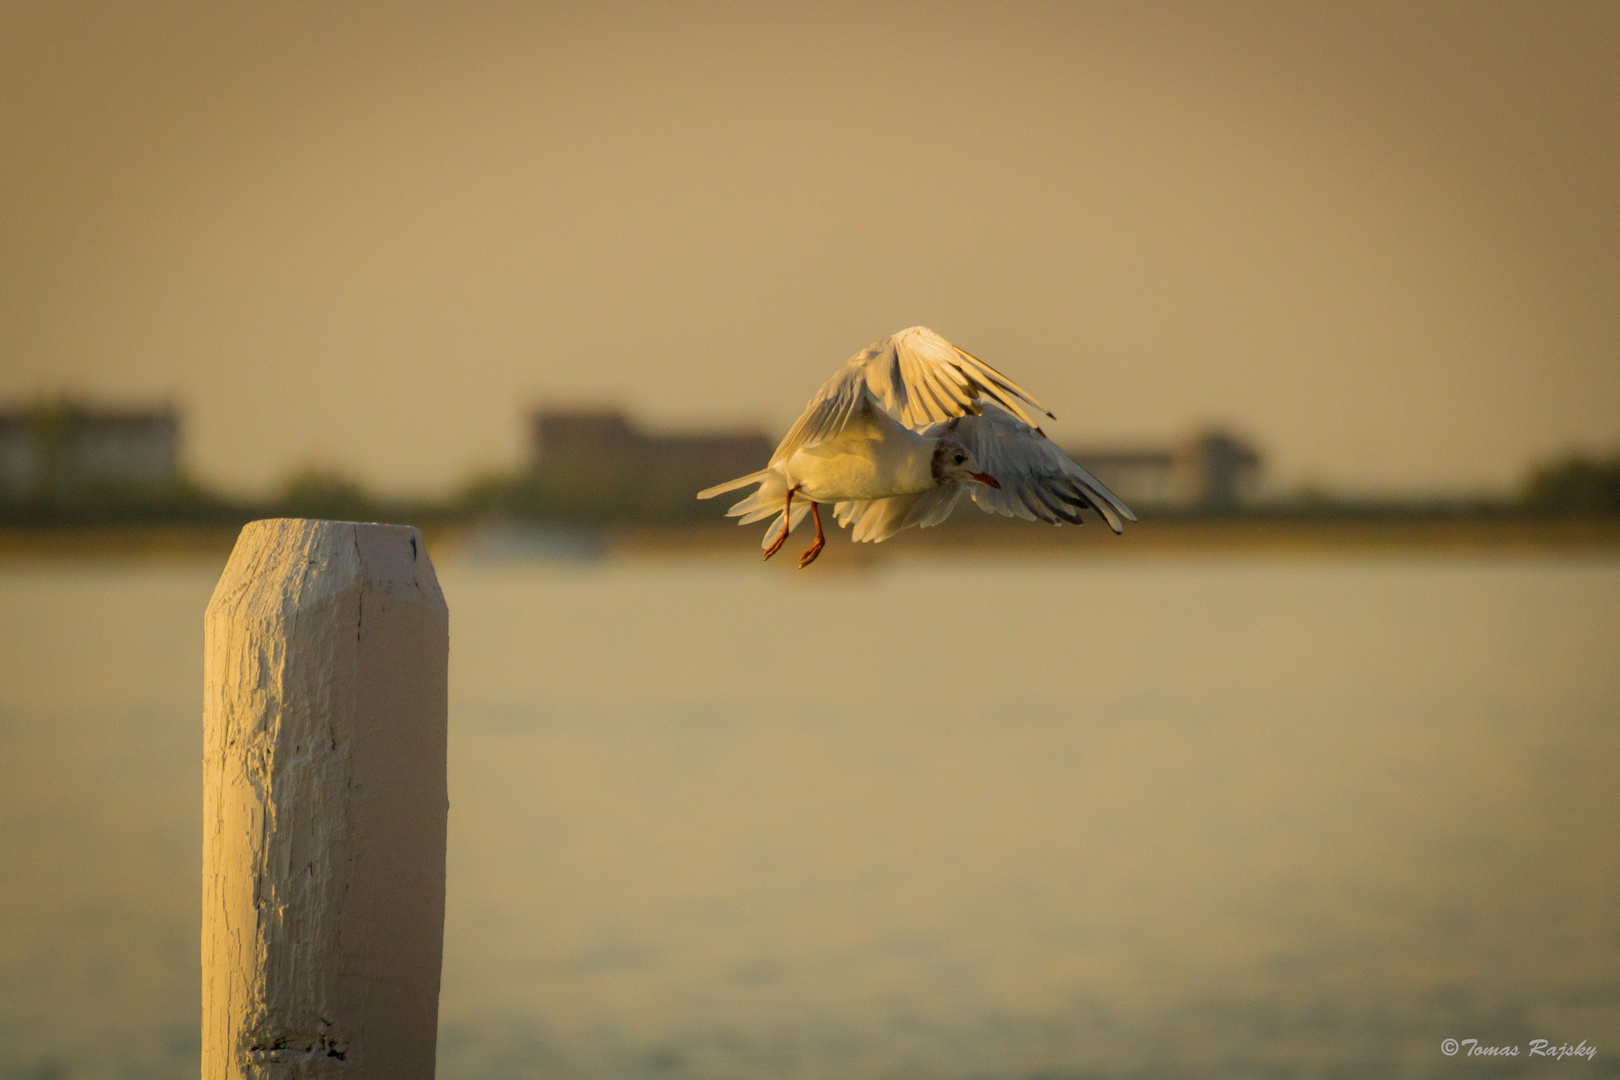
column 1383, row 240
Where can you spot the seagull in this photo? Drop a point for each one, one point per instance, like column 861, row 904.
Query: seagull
column 894, row 439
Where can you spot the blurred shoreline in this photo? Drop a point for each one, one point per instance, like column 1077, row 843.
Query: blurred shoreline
column 1173, row 537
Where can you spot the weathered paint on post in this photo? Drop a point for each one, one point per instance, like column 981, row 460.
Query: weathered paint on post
column 324, row 805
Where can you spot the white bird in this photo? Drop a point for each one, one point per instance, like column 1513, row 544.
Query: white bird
column 896, row 437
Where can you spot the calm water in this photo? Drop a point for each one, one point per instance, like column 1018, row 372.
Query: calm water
column 943, row 819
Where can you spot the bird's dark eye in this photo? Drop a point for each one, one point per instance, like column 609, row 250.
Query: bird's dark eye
column 960, row 459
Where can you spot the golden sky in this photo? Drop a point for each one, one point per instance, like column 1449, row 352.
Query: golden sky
column 1384, row 240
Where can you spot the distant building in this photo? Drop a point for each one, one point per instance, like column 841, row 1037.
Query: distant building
column 1211, row 469
column 58, row 448
column 605, row 438
column 1217, row 470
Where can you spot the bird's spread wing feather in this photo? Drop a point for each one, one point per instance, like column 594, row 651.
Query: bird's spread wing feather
column 878, row 519
column 915, row 376
column 1038, row 480
column 826, row 414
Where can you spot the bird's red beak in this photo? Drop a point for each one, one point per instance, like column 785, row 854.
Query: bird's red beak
column 986, row 478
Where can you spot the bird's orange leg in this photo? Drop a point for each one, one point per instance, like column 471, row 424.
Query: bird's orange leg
column 787, row 525
column 821, row 539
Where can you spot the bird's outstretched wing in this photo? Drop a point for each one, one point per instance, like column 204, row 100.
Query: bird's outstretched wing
column 915, row 376
column 876, row 520
column 1038, row 480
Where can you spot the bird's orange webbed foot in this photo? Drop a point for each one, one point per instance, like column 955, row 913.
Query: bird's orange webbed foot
column 774, row 548
column 787, row 526
column 821, row 539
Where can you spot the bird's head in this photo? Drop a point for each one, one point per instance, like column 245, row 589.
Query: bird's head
column 953, row 464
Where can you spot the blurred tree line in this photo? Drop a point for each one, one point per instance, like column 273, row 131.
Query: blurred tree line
column 560, row 492
column 564, row 490
column 580, row 491
column 1576, row 485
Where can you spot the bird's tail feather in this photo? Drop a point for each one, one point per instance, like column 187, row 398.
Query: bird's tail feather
column 733, row 485
column 763, row 502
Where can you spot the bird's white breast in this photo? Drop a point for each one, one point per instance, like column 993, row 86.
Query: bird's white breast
column 872, row 458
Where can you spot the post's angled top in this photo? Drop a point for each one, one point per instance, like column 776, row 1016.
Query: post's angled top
column 291, row 563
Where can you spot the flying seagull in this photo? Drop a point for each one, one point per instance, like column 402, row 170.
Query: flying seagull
column 894, row 439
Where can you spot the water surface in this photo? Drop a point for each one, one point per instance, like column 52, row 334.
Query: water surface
column 1291, row 817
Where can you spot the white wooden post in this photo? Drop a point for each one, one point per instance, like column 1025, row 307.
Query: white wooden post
column 324, row 805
